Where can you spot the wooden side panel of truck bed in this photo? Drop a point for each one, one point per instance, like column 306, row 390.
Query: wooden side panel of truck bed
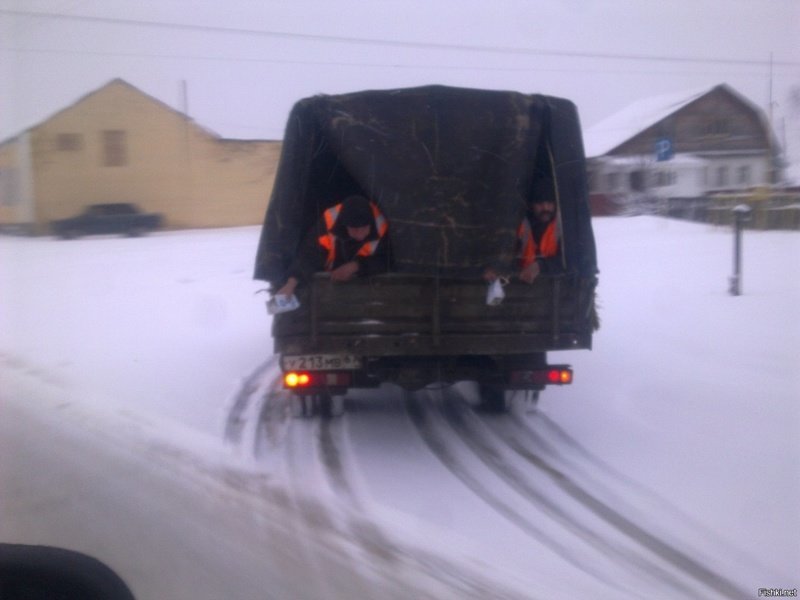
column 402, row 315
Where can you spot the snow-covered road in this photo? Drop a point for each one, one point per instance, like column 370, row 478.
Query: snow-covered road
column 517, row 484
column 140, row 422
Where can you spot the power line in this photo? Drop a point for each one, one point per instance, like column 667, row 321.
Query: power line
column 359, row 64
column 392, row 43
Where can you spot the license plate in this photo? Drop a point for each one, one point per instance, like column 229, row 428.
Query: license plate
column 320, row 362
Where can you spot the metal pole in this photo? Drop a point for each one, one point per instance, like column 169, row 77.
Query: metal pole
column 741, row 214
column 736, row 279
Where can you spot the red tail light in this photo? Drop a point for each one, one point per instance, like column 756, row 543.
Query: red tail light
column 559, row 376
column 556, row 375
column 294, row 379
column 323, row 379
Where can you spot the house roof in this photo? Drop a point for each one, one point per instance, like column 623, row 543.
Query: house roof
column 114, row 82
column 121, row 82
column 609, row 133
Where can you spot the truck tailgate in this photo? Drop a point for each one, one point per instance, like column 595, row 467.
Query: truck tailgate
column 393, row 315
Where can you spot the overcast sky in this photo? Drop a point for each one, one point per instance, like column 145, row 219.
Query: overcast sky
column 245, row 62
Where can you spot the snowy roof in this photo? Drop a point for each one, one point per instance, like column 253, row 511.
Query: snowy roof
column 678, row 160
column 609, row 133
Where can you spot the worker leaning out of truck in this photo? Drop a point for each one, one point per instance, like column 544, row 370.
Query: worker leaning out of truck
column 348, row 241
column 537, row 240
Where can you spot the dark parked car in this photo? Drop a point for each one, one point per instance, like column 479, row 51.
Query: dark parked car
column 119, row 218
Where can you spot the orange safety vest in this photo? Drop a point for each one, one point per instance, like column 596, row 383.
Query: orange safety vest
column 328, row 239
column 529, row 251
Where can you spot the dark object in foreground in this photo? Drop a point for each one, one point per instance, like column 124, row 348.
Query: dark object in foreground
column 454, row 171
column 115, row 218
column 47, row 573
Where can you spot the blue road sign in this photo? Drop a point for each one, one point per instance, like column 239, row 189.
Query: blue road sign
column 664, row 149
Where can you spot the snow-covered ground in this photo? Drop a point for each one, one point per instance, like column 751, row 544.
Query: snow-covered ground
column 670, row 468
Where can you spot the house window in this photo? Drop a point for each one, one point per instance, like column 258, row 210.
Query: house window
column 665, row 178
column 744, row 175
column 69, row 142
column 718, row 126
column 115, row 152
column 722, row 176
column 638, row 180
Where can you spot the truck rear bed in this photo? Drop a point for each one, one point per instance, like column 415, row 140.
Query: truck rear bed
column 410, row 315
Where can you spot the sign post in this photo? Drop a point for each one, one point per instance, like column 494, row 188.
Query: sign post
column 741, row 215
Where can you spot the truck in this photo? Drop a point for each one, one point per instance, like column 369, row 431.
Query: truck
column 120, row 218
column 453, row 171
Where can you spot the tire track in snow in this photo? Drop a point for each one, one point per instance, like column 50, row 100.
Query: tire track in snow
column 245, row 404
column 324, row 498
column 548, row 437
column 480, row 440
column 615, row 518
column 317, row 526
column 423, row 419
column 259, row 423
column 367, row 533
column 374, row 540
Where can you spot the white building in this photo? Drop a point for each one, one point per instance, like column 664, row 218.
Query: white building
column 681, row 146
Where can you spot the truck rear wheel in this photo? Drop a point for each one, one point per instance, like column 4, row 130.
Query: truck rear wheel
column 324, row 405
column 313, row 405
column 493, row 399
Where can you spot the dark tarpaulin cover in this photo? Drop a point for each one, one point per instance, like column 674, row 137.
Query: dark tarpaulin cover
column 452, row 170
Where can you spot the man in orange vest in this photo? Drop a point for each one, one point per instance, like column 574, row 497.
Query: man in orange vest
column 348, row 241
column 537, row 241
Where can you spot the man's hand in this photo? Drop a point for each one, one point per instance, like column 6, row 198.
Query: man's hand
column 345, row 272
column 288, row 287
column 529, row 273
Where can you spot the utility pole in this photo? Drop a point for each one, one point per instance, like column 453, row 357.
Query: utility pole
column 772, row 176
column 184, row 98
column 189, row 179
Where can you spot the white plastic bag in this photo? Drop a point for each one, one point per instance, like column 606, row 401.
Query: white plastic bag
column 281, row 303
column 495, row 293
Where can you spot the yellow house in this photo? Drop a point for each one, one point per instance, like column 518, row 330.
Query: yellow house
column 117, row 144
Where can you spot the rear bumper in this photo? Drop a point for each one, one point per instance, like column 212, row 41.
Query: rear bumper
column 529, row 372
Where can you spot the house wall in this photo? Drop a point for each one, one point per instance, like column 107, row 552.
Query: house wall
column 9, row 183
column 678, row 181
column 120, row 145
column 17, row 208
column 737, row 172
column 231, row 181
column 679, row 178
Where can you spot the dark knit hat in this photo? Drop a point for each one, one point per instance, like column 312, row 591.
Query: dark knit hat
column 356, row 212
column 543, row 191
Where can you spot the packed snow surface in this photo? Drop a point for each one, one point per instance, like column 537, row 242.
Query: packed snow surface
column 669, row 469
